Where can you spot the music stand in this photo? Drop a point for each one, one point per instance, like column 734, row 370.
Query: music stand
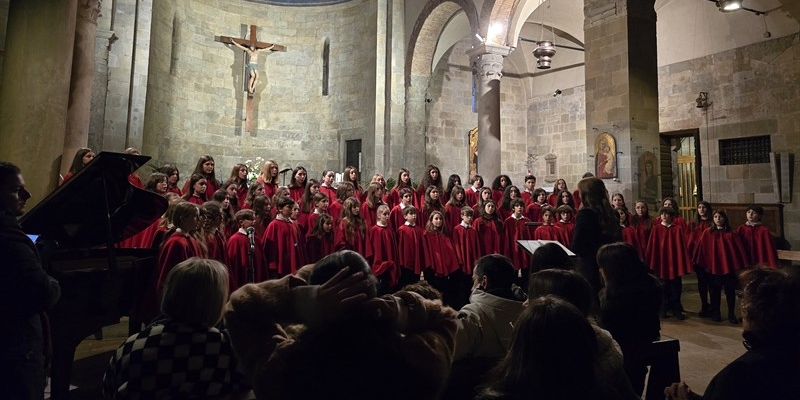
column 531, row 245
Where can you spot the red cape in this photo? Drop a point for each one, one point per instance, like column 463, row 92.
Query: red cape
column 381, row 252
column 760, row 245
column 666, row 252
column 467, row 247
column 516, row 229
column 490, row 236
column 409, row 248
column 440, row 255
column 720, row 252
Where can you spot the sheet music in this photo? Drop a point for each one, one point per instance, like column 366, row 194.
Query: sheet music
column 531, row 245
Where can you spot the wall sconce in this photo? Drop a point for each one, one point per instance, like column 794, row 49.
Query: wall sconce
column 702, row 101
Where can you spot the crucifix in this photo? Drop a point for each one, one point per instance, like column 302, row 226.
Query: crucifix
column 251, row 47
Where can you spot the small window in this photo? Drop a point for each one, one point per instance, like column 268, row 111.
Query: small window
column 747, row 150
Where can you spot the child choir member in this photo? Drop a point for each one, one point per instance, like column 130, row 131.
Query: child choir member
column 484, row 195
column 564, row 199
column 490, row 230
column 231, row 195
column 618, row 200
column 81, row 158
column 666, row 254
column 156, row 182
column 452, row 181
column 335, row 208
column 678, row 219
column 351, row 175
column 722, row 252
column 196, row 189
column 134, row 178
column 467, row 246
column 255, row 189
column 269, row 177
column 409, row 248
column 516, row 228
column 396, row 216
column 441, row 261
column 642, row 222
column 210, row 234
column 530, row 186
column 430, row 203
column 173, row 177
column 499, row 185
column 757, row 239
column 381, row 251
column 352, row 230
column 204, row 167
column 548, row 230
column 560, row 186
column 566, row 222
column 239, row 178
column 237, row 253
column 452, row 210
column 369, row 209
column 297, row 184
column 282, row 243
column 307, row 221
column 472, row 193
column 228, row 225
column 403, row 182
column 432, row 177
column 306, row 202
column 629, row 234
column 534, row 210
column 319, row 241
column 702, row 222
column 262, row 206
column 327, row 183
column 510, row 194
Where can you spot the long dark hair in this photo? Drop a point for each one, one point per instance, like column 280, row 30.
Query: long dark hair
column 553, row 351
column 594, row 195
column 198, row 169
column 77, row 161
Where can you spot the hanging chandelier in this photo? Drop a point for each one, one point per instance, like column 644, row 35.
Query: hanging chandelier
column 544, row 52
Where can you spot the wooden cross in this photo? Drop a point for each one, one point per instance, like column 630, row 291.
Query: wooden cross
column 251, row 48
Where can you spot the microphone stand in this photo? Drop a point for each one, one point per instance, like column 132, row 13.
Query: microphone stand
column 251, row 256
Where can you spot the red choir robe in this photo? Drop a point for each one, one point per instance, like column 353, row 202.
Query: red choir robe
column 465, row 240
column 471, row 196
column 497, row 196
column 270, row 189
column 643, row 230
column 666, row 252
column 349, row 240
column 534, row 212
column 381, row 252
column 369, row 214
column 409, row 248
column 335, row 209
column 527, row 197
column 552, row 198
column 282, row 248
column 135, row 180
column 452, row 216
column 393, row 197
column 569, row 230
column 302, row 222
column 396, row 218
column 549, row 232
column 196, row 200
column 440, row 255
column 330, row 191
column 720, row 252
column 760, row 245
column 296, row 193
column 516, row 229
column 576, row 196
column 318, row 247
column 631, row 237
column 490, row 235
column 215, row 243
column 177, row 191
column 503, row 213
column 237, row 256
column 177, row 248
column 676, row 220
column 695, row 232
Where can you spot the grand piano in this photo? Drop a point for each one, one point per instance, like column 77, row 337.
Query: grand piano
column 78, row 226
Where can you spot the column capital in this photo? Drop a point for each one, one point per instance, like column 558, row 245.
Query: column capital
column 89, row 10
column 487, row 60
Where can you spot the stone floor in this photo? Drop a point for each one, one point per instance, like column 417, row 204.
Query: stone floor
column 706, row 347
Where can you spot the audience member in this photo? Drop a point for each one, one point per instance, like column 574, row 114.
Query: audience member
column 595, row 225
column 328, row 336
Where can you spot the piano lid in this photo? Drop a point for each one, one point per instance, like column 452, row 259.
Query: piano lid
column 76, row 214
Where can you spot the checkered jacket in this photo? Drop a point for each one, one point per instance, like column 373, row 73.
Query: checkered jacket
column 172, row 360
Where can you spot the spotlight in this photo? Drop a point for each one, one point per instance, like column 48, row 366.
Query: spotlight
column 729, row 5
column 557, row 92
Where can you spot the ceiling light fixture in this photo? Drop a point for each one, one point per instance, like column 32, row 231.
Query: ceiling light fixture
column 727, row 6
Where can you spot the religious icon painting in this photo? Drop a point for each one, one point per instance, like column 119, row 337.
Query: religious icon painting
column 605, row 159
column 472, row 150
column 648, row 176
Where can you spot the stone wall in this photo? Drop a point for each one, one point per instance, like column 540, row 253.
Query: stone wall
column 4, row 4
column 754, row 92
column 195, row 104
column 450, row 118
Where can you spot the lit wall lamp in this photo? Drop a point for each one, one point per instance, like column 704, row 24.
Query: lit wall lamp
column 734, row 5
column 702, row 101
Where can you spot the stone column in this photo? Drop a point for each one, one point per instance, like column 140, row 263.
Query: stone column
column 487, row 67
column 622, row 81
column 80, row 92
column 35, row 89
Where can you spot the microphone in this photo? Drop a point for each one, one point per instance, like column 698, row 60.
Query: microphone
column 251, row 234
